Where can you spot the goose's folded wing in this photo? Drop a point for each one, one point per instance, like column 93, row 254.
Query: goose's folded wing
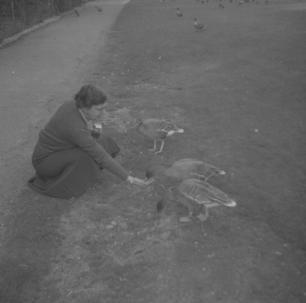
column 214, row 194
column 204, row 193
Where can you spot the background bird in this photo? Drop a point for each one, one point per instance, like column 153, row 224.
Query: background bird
column 196, row 195
column 197, row 25
column 76, row 12
column 179, row 12
column 157, row 130
column 99, row 9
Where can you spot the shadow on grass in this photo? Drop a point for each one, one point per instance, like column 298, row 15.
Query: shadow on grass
column 32, row 240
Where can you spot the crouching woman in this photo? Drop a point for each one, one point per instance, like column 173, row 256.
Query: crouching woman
column 71, row 152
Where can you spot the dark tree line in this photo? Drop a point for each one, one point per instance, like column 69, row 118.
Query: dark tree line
column 16, row 15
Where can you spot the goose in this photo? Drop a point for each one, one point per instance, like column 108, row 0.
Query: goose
column 197, row 25
column 193, row 168
column 76, row 12
column 184, row 169
column 99, row 9
column 179, row 12
column 169, row 177
column 194, row 193
column 157, row 130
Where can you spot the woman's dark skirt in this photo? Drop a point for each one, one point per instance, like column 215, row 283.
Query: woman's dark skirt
column 69, row 173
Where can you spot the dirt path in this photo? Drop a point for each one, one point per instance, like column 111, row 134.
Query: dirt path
column 37, row 72
column 238, row 90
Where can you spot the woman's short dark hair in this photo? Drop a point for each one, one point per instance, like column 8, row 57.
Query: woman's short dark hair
column 88, row 96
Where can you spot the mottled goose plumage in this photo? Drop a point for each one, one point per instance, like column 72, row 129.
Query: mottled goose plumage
column 158, row 130
column 196, row 192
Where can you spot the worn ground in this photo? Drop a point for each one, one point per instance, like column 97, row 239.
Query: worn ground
column 238, row 89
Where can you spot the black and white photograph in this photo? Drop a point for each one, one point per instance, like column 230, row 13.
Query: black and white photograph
column 152, row 151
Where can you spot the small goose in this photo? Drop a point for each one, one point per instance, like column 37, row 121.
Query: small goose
column 194, row 193
column 197, row 25
column 179, row 12
column 158, row 130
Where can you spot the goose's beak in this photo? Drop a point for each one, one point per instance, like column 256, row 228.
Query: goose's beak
column 172, row 132
column 232, row 203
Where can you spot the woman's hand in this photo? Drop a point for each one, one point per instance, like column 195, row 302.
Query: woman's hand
column 138, row 181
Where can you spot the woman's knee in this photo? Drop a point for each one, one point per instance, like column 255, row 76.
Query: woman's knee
column 57, row 162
